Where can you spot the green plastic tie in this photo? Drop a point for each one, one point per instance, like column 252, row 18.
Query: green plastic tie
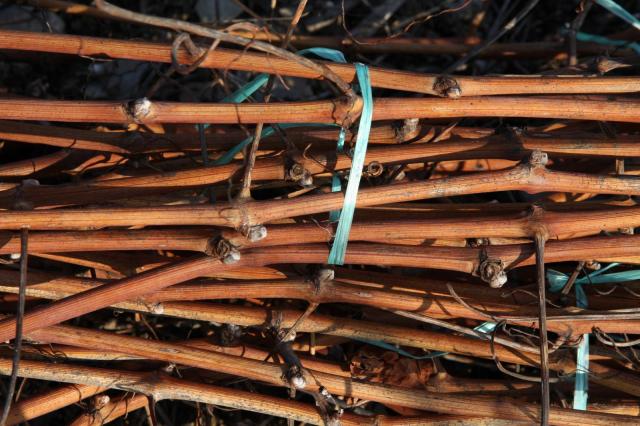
column 557, row 281
column 251, row 87
column 339, row 248
column 592, row 38
column 620, row 12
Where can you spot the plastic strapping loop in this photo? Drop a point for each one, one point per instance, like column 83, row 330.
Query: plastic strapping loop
column 248, row 89
column 325, row 53
column 592, row 38
column 620, row 12
column 245, row 91
column 400, row 351
column 228, row 156
column 557, row 280
column 485, row 328
column 335, row 56
column 339, row 248
column 336, row 185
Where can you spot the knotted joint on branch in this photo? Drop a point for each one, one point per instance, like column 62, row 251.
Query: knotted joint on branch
column 299, row 174
column 536, row 222
column 492, row 272
column 138, row 110
column 329, row 407
column 346, row 110
column 320, row 278
column 155, row 308
column 294, row 377
column 374, row 169
column 224, row 250
column 592, row 265
column 538, row 158
column 447, row 87
column 407, row 130
column 254, row 233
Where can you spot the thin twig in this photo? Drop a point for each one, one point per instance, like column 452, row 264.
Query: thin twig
column 501, row 367
column 600, row 335
column 583, row 7
column 479, row 48
column 24, row 237
column 178, row 25
column 572, row 279
column 464, row 330
column 544, row 347
column 250, row 159
column 310, row 309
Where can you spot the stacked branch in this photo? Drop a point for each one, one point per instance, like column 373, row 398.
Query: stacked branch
column 157, row 246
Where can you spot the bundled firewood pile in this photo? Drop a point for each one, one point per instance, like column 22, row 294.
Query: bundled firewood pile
column 377, row 213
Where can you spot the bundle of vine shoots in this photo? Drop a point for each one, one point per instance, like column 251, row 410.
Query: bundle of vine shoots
column 355, row 212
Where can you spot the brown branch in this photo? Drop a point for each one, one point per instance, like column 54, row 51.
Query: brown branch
column 335, row 111
column 112, row 410
column 545, row 400
column 523, row 177
column 161, row 387
column 50, row 401
column 459, row 259
column 339, row 385
column 382, row 78
column 162, row 302
column 279, row 168
column 178, row 25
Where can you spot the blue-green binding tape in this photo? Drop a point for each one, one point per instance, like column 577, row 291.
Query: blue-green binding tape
column 248, row 89
column 485, row 328
column 339, row 248
column 336, row 185
column 620, row 12
column 390, row 347
column 592, row 38
column 228, row 156
column 557, row 280
column 245, row 91
column 325, row 53
column 344, row 216
column 335, row 56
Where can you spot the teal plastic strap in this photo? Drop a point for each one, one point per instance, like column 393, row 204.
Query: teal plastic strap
column 250, row 88
column 390, row 347
column 557, row 280
column 335, row 56
column 336, row 185
column 581, row 385
column 620, row 12
column 486, row 328
column 339, row 248
column 228, row 156
column 247, row 90
column 325, row 53
column 592, row 38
